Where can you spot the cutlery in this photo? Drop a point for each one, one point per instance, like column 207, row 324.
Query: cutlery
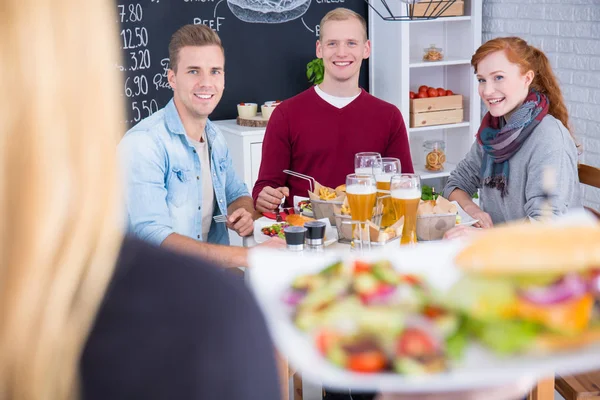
column 220, row 218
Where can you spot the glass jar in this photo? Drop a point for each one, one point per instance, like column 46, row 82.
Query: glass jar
column 435, row 155
column 433, row 53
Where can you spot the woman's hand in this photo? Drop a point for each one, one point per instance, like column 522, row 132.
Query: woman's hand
column 485, row 221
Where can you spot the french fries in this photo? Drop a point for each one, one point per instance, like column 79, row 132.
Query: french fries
column 326, row 193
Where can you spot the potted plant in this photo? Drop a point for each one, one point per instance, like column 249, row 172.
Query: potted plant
column 315, row 71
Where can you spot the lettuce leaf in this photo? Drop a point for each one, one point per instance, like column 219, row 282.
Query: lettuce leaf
column 505, row 337
column 482, row 298
column 457, row 342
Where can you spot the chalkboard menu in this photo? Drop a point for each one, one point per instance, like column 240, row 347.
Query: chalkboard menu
column 267, row 46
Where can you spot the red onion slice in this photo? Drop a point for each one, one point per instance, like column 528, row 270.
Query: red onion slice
column 595, row 286
column 293, row 297
column 569, row 287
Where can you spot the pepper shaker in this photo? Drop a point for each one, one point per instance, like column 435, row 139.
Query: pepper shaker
column 294, row 237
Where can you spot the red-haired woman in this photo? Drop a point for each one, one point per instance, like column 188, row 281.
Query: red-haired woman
column 524, row 133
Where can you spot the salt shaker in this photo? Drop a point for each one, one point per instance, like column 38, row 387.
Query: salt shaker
column 315, row 234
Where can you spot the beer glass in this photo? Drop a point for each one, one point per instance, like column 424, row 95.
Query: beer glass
column 406, row 194
column 389, row 166
column 365, row 162
column 361, row 191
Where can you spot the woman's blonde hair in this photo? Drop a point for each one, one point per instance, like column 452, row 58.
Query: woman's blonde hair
column 60, row 214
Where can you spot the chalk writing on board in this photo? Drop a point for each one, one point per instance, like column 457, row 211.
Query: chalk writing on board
column 268, row 11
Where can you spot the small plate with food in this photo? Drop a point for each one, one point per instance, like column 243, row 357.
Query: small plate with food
column 303, row 206
column 265, row 228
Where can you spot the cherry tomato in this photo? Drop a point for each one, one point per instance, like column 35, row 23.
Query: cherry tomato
column 414, row 343
column 441, row 91
column 422, row 95
column 449, row 93
column 361, row 266
column 367, row 361
column 412, row 95
column 432, row 92
column 433, row 312
column 423, row 88
column 325, row 339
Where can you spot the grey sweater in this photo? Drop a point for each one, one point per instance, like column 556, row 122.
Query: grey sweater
column 550, row 144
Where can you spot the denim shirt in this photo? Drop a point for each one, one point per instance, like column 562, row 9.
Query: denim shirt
column 163, row 186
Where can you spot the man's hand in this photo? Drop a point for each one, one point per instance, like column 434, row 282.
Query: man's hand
column 460, row 231
column 241, row 221
column 485, row 221
column 269, row 198
column 274, row 243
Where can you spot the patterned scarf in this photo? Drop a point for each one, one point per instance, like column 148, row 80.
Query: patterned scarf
column 501, row 141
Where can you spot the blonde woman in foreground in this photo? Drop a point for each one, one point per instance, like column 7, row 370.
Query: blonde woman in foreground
column 84, row 312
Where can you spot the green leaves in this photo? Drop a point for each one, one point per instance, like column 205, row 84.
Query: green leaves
column 315, row 71
column 427, row 193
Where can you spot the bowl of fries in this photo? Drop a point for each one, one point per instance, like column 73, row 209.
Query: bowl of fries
column 323, row 201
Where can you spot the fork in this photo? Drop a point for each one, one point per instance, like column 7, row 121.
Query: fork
column 278, row 212
column 220, row 218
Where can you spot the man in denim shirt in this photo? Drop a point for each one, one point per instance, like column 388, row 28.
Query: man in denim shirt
column 178, row 170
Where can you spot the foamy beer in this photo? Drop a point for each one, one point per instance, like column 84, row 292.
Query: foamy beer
column 361, row 200
column 361, row 192
column 389, row 167
column 406, row 194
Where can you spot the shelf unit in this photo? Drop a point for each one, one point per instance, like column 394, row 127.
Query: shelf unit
column 396, row 68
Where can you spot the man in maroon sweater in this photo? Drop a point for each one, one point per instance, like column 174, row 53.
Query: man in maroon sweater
column 318, row 131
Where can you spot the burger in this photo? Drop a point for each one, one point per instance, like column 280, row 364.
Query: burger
column 530, row 287
column 297, row 219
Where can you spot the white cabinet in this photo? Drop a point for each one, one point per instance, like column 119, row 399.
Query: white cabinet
column 396, row 67
column 245, row 149
column 255, row 157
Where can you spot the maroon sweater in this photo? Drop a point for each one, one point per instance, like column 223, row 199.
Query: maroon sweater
column 306, row 134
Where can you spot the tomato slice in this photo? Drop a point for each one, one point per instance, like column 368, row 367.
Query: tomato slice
column 414, row 343
column 325, row 339
column 367, row 361
column 361, row 266
column 410, row 279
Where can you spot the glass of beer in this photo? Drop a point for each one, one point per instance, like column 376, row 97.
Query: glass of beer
column 361, row 191
column 365, row 162
column 389, row 166
column 406, row 194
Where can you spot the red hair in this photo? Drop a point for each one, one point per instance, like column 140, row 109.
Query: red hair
column 528, row 58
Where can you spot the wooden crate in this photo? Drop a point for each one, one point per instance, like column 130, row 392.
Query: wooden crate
column 436, row 118
column 426, row 8
column 436, row 103
column 436, row 111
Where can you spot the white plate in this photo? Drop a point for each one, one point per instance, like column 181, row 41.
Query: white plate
column 259, row 237
column 298, row 199
column 480, row 368
column 465, row 219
